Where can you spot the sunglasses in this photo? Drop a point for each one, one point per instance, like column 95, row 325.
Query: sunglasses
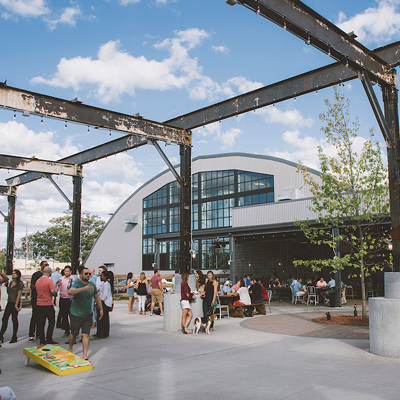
column 86, row 273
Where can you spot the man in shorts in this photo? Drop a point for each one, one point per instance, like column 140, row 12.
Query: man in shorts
column 156, row 292
column 81, row 309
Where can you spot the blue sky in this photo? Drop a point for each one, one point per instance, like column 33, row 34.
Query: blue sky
column 163, row 58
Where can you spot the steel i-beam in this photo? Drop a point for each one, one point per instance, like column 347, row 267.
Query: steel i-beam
column 34, row 164
column 296, row 86
column 302, row 21
column 84, row 157
column 74, row 111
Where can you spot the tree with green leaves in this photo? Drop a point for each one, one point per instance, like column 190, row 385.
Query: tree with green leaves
column 2, row 261
column 55, row 241
column 352, row 195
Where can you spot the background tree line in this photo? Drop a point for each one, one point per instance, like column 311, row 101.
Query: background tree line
column 55, row 241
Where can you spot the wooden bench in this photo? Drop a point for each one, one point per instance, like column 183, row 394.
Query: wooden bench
column 237, row 310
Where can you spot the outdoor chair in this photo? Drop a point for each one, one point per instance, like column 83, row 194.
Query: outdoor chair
column 221, row 307
column 369, row 290
column 350, row 292
column 269, row 293
column 312, row 295
column 296, row 296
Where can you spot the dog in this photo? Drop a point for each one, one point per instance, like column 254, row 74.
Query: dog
column 206, row 322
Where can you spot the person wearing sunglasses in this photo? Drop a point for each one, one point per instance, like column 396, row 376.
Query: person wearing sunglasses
column 83, row 292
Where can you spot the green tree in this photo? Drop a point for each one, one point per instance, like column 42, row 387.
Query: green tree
column 352, row 196
column 55, row 241
column 2, row 261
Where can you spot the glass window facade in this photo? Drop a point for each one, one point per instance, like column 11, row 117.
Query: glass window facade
column 214, row 195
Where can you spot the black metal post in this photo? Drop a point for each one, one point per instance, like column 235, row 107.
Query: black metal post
column 10, row 234
column 76, row 223
column 390, row 99
column 186, row 209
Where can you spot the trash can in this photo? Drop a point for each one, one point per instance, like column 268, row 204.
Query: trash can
column 332, row 298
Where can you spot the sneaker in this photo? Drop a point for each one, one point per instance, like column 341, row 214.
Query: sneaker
column 161, row 315
column 31, row 339
column 151, row 314
column 52, row 342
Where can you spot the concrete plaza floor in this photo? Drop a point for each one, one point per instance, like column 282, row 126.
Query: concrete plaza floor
column 242, row 358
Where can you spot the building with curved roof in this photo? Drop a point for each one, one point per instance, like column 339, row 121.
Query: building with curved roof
column 243, row 212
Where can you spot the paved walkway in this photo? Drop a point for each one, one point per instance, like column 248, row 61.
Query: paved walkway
column 302, row 325
column 141, row 361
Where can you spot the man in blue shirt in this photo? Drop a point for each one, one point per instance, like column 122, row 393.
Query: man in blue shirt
column 227, row 287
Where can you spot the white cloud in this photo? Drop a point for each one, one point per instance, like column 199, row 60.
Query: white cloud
column 292, row 118
column 304, row 148
column 106, row 184
column 116, row 72
column 376, row 24
column 68, row 17
column 25, row 8
column 18, row 140
column 227, row 138
column 220, row 49
column 126, row 2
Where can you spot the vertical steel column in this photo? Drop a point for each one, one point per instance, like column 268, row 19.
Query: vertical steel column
column 10, row 234
column 186, row 209
column 390, row 100
column 76, row 223
column 232, row 273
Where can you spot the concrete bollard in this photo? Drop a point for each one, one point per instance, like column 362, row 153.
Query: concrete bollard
column 384, row 319
column 172, row 306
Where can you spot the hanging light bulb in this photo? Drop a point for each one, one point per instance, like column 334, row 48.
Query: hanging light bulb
column 41, row 121
column 65, row 125
column 15, row 114
column 88, row 129
column 294, row 98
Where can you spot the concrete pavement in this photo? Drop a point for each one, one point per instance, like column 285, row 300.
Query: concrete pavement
column 238, row 360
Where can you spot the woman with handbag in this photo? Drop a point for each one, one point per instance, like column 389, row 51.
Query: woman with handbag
column 106, row 291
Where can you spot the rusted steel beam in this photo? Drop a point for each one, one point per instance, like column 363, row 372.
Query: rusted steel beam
column 8, row 191
column 95, row 153
column 390, row 101
column 10, row 234
column 36, row 165
column 74, row 111
column 299, row 85
column 299, row 19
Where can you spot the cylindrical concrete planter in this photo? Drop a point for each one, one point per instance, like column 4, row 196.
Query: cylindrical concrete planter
column 384, row 327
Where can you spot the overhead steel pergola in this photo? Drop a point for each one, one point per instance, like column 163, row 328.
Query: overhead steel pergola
column 353, row 60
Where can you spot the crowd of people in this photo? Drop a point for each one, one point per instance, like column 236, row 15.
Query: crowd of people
column 84, row 301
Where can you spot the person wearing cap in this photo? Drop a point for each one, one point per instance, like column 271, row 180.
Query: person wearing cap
column 227, row 287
